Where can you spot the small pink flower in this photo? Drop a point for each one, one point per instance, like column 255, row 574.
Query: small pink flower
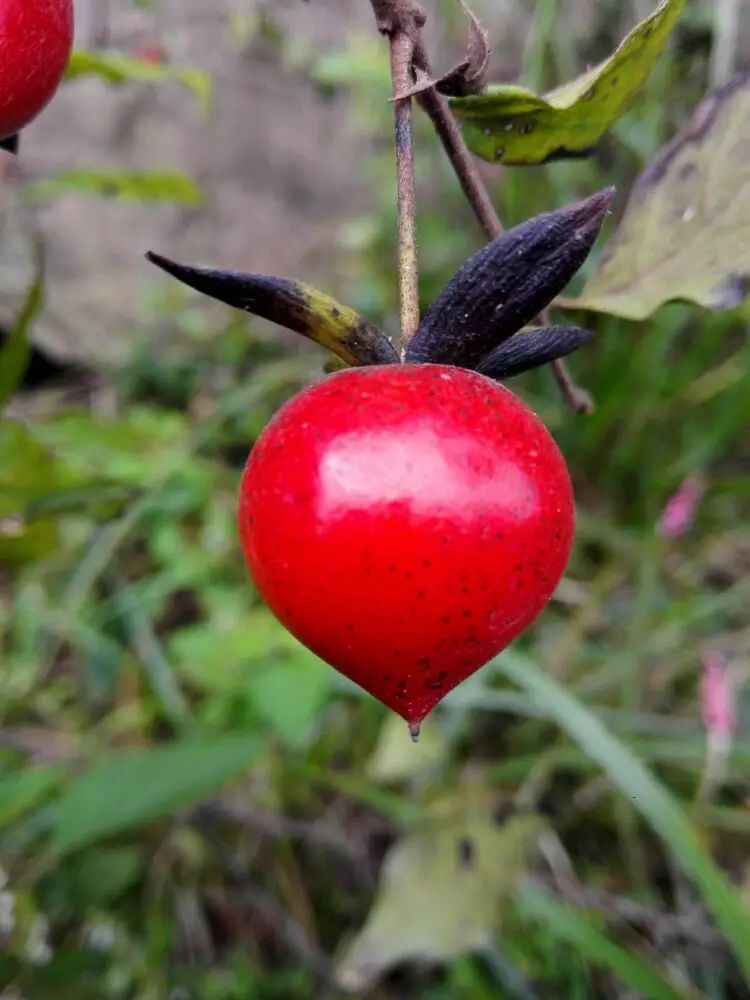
column 717, row 696
column 679, row 513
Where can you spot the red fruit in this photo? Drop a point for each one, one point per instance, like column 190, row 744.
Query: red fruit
column 406, row 522
column 36, row 37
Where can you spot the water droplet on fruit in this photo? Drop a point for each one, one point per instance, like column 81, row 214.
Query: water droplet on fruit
column 414, row 730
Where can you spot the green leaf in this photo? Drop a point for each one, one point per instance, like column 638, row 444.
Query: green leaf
column 363, row 60
column 172, row 187
column 117, row 68
column 96, row 877
column 128, row 789
column 14, row 357
column 441, row 891
column 512, row 125
column 293, row 304
column 290, row 696
column 654, row 802
column 97, row 448
column 28, row 474
column 26, row 542
column 20, row 793
column 577, row 930
column 686, row 231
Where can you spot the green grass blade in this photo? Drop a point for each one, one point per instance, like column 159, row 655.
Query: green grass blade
column 15, row 355
column 652, row 800
column 577, row 930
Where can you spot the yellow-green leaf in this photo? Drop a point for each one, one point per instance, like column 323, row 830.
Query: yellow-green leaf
column 29, row 473
column 512, row 125
column 117, row 68
column 394, row 760
column 686, row 231
column 441, row 891
column 125, row 185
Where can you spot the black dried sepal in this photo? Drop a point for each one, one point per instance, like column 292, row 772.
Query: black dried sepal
column 530, row 350
column 11, row 144
column 506, row 284
column 292, row 304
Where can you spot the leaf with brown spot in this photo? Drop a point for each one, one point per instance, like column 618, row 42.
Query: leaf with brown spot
column 685, row 234
column 441, row 891
column 292, row 304
column 506, row 284
column 510, row 124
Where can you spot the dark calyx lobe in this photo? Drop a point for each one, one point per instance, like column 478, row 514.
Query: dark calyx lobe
column 531, row 349
column 506, row 284
column 291, row 304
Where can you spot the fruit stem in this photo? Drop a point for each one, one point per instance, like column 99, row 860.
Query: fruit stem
column 402, row 54
column 440, row 113
column 401, row 22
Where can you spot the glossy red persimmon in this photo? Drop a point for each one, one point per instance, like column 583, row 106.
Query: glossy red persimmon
column 406, row 522
column 36, row 37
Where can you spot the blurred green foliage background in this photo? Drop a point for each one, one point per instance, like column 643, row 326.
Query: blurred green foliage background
column 192, row 805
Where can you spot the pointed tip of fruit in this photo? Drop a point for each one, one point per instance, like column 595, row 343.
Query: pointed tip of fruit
column 414, row 731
